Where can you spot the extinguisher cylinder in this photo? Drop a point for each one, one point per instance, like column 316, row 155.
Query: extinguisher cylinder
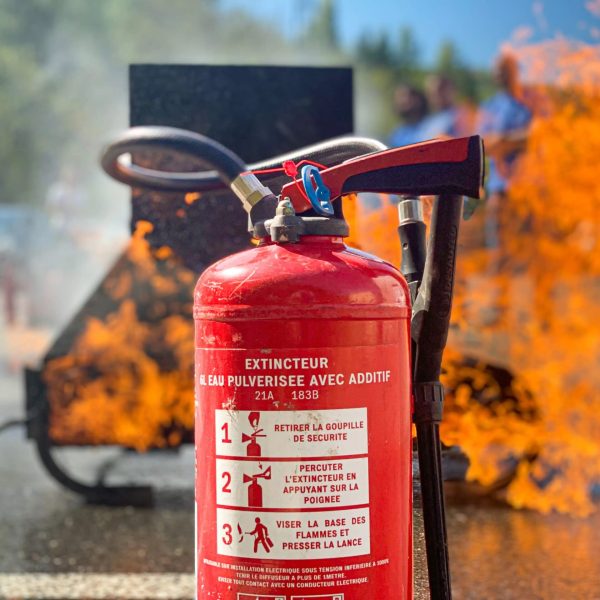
column 303, row 424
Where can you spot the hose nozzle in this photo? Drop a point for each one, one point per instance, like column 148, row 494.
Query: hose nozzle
column 410, row 210
column 249, row 190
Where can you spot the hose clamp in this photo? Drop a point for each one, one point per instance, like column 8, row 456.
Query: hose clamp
column 429, row 402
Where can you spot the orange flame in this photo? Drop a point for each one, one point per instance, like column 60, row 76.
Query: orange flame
column 191, row 197
column 127, row 380
column 538, row 315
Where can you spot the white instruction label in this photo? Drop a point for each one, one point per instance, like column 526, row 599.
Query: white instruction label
column 292, row 484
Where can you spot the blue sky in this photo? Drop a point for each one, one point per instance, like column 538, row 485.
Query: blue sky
column 478, row 27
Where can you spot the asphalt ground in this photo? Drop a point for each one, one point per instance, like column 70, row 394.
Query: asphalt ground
column 52, row 545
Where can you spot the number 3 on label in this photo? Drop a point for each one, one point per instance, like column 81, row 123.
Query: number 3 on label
column 228, row 537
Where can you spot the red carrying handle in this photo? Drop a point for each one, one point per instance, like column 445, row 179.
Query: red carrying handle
column 436, row 167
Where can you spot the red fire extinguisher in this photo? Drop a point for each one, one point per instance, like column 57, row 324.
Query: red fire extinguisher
column 306, row 370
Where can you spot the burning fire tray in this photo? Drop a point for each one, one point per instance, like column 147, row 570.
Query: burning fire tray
column 121, row 372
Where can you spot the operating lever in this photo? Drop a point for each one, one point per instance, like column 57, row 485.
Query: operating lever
column 437, row 167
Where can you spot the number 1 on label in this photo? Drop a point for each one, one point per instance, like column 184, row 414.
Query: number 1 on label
column 225, row 429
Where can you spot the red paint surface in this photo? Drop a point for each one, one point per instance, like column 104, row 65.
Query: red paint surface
column 312, row 299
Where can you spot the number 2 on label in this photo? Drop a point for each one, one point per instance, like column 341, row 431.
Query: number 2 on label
column 227, row 477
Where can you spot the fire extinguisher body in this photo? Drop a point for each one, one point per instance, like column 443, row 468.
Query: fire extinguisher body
column 303, row 426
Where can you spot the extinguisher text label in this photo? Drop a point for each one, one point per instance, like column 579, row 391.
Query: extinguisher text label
column 304, row 470
column 292, row 380
column 288, row 362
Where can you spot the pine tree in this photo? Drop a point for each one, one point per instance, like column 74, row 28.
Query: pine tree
column 322, row 29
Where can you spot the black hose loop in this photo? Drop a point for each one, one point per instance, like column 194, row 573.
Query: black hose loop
column 327, row 153
column 226, row 165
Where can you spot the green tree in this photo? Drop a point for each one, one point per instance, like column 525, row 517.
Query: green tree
column 376, row 51
column 448, row 60
column 322, row 28
column 407, row 55
column 450, row 64
column 24, row 31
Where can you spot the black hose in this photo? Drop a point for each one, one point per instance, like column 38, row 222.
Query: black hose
column 437, row 287
column 434, row 510
column 431, row 318
column 328, row 153
column 225, row 164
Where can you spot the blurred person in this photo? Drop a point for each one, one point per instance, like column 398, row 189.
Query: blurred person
column 447, row 118
column 65, row 200
column 8, row 283
column 410, row 105
column 503, row 122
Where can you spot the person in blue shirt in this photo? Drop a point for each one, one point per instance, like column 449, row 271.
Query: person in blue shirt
column 446, row 118
column 503, row 122
column 410, row 104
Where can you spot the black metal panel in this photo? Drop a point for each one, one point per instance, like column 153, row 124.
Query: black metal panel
column 256, row 111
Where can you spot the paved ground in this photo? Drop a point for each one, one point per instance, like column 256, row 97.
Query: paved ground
column 53, row 546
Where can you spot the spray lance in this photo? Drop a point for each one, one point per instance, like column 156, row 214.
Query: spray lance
column 314, row 353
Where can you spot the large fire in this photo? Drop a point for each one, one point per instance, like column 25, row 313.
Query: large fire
column 533, row 306
column 128, row 379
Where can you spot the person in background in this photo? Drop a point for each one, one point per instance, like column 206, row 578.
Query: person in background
column 8, row 283
column 447, row 118
column 410, row 104
column 503, row 122
column 65, row 200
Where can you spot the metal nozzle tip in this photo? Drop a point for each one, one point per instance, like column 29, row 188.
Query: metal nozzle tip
column 410, row 210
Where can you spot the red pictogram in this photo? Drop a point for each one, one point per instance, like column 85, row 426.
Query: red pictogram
column 253, row 448
column 261, row 536
column 255, row 496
